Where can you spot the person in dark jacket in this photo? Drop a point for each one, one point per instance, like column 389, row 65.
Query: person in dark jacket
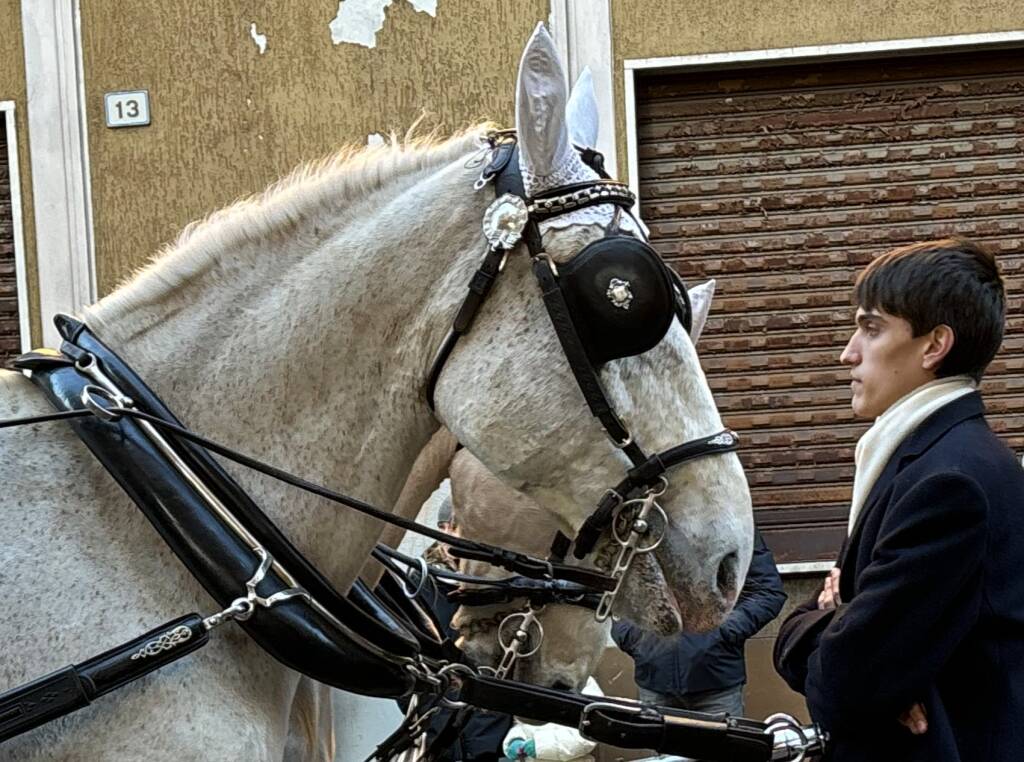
column 479, row 732
column 706, row 672
column 914, row 649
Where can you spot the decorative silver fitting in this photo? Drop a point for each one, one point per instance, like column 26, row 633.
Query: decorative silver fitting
column 165, row 642
column 619, row 293
column 243, row 608
column 725, row 439
column 505, row 220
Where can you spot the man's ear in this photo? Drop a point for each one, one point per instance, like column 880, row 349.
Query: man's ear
column 940, row 344
column 700, row 305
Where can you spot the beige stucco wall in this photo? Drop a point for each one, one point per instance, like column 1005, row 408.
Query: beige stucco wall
column 12, row 88
column 661, row 28
column 227, row 121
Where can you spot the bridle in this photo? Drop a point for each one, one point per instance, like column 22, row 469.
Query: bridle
column 606, row 280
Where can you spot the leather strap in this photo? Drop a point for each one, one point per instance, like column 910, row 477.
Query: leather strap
column 646, row 475
column 624, row 723
column 579, row 363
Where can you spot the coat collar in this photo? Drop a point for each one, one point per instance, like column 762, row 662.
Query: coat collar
column 924, row 436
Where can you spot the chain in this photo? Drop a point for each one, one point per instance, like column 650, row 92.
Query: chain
column 629, row 546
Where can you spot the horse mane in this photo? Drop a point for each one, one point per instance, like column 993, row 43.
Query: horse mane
column 350, row 174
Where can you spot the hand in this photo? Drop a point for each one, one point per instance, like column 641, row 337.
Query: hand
column 915, row 719
column 828, row 598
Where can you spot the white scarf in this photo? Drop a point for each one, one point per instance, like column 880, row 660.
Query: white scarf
column 893, row 426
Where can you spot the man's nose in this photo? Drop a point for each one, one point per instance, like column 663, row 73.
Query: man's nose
column 849, row 356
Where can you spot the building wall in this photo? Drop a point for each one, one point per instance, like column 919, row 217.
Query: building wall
column 662, row 28
column 228, row 120
column 12, row 88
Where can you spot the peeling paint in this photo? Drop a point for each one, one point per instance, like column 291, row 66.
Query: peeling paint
column 358, row 21
column 374, row 139
column 259, row 39
column 425, row 6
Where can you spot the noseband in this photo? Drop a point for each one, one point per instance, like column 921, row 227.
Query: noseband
column 615, row 298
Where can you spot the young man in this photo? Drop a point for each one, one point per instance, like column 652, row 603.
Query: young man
column 914, row 649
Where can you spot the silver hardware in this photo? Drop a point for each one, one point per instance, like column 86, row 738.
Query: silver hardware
column 243, row 608
column 725, row 439
column 585, row 713
column 93, row 396
column 424, row 575
column 793, row 741
column 629, row 546
column 165, row 642
column 512, row 650
column 619, row 293
column 449, row 672
column 505, row 220
column 551, row 263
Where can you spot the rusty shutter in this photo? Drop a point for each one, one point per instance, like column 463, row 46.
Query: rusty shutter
column 10, row 341
column 781, row 184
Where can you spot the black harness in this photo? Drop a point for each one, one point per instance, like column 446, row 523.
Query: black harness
column 380, row 643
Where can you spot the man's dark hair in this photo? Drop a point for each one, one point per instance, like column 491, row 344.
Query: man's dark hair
column 952, row 282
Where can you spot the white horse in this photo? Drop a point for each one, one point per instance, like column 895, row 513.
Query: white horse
column 299, row 326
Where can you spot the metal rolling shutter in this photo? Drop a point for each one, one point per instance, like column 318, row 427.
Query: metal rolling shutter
column 10, row 341
column 783, row 183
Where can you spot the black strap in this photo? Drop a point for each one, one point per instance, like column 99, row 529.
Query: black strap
column 644, row 476
column 479, row 287
column 579, row 363
column 64, row 691
column 626, row 724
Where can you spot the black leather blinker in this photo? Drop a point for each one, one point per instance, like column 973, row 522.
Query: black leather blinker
column 621, row 297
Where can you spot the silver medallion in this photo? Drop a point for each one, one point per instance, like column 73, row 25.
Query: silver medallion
column 504, row 221
column 619, row 294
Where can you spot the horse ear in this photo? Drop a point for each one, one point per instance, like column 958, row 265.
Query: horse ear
column 700, row 305
column 546, row 156
column 581, row 113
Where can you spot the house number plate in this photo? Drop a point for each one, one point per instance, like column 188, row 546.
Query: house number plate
column 127, row 109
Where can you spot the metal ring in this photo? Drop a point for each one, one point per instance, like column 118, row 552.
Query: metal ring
column 424, row 573
column 525, row 615
column 85, row 362
column 640, row 548
column 664, row 531
column 664, row 487
column 91, row 398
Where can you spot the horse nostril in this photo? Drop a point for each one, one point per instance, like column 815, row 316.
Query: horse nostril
column 561, row 685
column 727, row 574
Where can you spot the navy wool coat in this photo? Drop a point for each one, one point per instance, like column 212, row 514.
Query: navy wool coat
column 711, row 661
column 933, row 606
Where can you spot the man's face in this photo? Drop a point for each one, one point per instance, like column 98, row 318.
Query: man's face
column 886, row 361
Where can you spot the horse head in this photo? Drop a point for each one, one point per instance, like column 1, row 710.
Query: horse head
column 509, row 395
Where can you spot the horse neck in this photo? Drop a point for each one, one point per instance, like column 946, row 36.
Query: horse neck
column 309, row 350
